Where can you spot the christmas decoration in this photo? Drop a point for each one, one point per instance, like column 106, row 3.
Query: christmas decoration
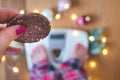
column 82, row 20
column 63, row 5
column 96, row 43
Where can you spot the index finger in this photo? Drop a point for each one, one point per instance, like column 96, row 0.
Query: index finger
column 7, row 14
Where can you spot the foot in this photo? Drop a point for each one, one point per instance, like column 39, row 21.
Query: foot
column 79, row 52
column 39, row 54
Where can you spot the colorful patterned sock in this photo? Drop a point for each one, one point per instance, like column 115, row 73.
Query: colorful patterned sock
column 73, row 70
column 43, row 71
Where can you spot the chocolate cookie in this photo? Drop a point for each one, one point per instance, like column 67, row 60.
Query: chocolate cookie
column 37, row 27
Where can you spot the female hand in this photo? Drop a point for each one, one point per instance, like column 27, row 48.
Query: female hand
column 8, row 34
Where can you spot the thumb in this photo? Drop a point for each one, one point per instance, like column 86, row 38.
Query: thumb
column 9, row 34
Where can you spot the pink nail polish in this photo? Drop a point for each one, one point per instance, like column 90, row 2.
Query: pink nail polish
column 20, row 30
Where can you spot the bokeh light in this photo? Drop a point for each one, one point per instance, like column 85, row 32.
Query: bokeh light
column 92, row 64
column 57, row 16
column 22, row 11
column 73, row 17
column 36, row 11
column 91, row 38
column 15, row 69
column 104, row 39
column 3, row 59
column 87, row 18
column 105, row 51
column 66, row 6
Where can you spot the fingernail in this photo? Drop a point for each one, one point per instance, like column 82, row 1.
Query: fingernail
column 20, row 30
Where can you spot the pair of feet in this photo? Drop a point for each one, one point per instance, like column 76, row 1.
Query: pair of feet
column 39, row 53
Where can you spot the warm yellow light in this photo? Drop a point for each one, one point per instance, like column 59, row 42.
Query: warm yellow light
column 73, row 17
column 36, row 11
column 57, row 16
column 66, row 6
column 89, row 78
column 87, row 18
column 105, row 51
column 15, row 69
column 75, row 33
column 91, row 38
column 22, row 11
column 103, row 39
column 92, row 64
column 3, row 59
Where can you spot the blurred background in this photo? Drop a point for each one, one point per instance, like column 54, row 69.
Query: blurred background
column 99, row 18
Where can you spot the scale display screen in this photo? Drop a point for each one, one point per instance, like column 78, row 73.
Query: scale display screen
column 59, row 40
column 57, row 36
